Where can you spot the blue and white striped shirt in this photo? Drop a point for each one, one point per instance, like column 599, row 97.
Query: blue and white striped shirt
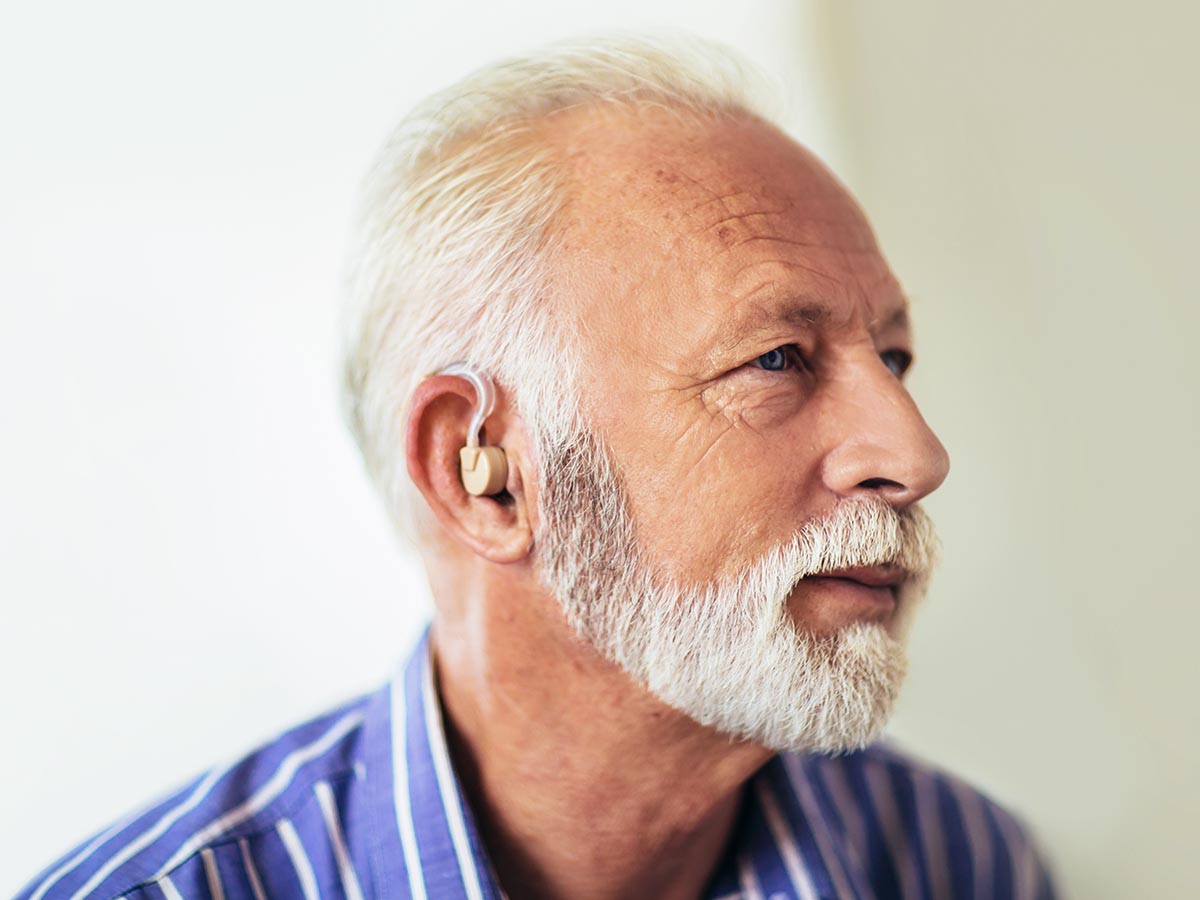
column 363, row 803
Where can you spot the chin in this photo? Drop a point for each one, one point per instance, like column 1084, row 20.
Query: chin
column 787, row 690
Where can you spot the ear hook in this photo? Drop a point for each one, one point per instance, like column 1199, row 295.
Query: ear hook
column 484, row 470
column 485, row 396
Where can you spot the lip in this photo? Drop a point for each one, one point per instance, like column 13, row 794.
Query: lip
column 869, row 600
column 871, row 576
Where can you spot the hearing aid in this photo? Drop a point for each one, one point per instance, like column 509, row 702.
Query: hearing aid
column 483, row 470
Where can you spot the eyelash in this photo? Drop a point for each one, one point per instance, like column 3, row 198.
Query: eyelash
column 792, row 353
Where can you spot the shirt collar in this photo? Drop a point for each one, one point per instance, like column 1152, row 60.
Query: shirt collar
column 424, row 842
column 425, row 845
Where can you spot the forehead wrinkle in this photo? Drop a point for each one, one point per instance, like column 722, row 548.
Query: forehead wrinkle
column 722, row 227
column 747, row 207
column 730, row 205
column 727, row 204
column 750, row 273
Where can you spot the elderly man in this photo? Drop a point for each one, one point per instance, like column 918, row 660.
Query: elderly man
column 626, row 362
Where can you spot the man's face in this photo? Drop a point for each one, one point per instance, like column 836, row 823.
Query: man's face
column 744, row 340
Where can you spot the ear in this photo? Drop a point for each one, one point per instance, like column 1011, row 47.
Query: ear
column 495, row 527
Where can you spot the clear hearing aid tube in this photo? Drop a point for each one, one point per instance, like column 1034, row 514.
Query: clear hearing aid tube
column 485, row 396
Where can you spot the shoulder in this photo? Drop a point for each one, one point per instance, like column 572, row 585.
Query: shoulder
column 200, row 829
column 919, row 829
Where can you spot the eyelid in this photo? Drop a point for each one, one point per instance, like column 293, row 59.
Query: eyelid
column 800, row 361
column 792, row 351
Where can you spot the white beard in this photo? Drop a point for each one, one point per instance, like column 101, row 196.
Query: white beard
column 728, row 653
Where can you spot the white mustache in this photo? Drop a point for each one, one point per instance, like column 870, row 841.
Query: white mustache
column 861, row 531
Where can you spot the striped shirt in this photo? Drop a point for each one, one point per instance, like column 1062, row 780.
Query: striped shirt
column 363, row 802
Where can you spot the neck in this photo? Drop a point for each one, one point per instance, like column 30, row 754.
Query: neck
column 584, row 786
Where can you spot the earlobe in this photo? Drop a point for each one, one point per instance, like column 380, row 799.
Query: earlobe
column 460, row 478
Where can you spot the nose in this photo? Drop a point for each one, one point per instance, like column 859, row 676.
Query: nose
column 878, row 440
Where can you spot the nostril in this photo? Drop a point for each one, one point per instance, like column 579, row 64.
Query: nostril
column 875, row 483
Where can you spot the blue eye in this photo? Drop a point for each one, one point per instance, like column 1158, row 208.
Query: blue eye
column 902, row 359
column 773, row 360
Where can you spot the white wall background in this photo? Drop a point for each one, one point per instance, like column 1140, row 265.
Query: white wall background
column 190, row 555
column 1031, row 168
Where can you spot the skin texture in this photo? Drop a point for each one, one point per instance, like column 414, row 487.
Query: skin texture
column 691, row 250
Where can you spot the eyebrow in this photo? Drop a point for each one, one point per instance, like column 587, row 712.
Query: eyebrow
column 800, row 312
column 898, row 318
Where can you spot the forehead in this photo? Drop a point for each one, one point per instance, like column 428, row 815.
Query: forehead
column 676, row 231
column 652, row 168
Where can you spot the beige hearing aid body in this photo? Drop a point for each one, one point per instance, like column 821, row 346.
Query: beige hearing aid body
column 484, row 470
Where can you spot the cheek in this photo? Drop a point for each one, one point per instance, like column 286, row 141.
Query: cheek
column 735, row 486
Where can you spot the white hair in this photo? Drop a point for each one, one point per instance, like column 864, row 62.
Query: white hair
column 456, row 229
